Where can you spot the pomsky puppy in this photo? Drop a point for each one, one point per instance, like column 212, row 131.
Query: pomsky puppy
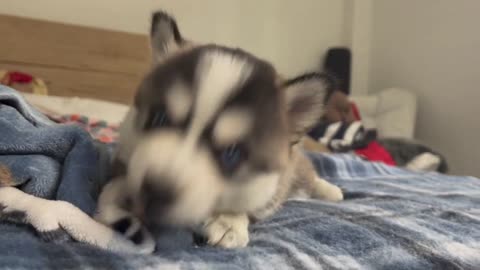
column 211, row 143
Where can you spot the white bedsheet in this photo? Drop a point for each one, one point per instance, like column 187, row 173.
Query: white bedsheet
column 111, row 112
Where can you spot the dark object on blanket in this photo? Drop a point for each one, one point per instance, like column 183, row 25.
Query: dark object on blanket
column 338, row 63
column 405, row 151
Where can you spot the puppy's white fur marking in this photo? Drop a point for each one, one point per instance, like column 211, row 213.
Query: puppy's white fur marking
column 179, row 101
column 199, row 186
column 232, row 126
column 218, row 76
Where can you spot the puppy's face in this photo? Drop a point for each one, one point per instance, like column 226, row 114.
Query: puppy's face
column 210, row 130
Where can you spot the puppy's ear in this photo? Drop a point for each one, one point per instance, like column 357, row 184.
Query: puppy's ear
column 165, row 38
column 305, row 98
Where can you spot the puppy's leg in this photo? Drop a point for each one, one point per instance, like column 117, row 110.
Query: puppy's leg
column 51, row 219
column 227, row 230
column 110, row 212
column 13, row 209
column 323, row 190
column 318, row 188
column 19, row 207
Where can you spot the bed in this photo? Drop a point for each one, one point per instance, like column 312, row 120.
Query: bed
column 391, row 218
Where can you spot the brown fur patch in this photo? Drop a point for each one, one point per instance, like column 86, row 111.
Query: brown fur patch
column 6, row 178
column 311, row 145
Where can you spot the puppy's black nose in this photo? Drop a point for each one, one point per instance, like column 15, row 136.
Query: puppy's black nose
column 157, row 196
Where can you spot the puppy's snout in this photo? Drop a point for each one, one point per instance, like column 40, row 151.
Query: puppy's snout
column 158, row 196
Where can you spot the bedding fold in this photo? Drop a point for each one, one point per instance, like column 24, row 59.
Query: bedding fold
column 47, row 160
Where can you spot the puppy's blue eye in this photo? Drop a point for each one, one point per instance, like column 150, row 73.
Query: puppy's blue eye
column 158, row 118
column 231, row 157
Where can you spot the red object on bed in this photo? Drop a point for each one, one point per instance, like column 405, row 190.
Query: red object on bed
column 373, row 151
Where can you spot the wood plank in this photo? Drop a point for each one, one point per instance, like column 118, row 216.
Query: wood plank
column 73, row 47
column 75, row 60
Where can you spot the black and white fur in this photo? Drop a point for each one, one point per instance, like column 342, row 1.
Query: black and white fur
column 414, row 155
column 210, row 142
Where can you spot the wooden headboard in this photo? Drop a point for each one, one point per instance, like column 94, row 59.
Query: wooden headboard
column 75, row 60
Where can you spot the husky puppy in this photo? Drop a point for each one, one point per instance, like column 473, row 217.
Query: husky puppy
column 211, row 143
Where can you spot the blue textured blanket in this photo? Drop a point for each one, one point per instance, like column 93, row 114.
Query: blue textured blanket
column 47, row 160
column 391, row 219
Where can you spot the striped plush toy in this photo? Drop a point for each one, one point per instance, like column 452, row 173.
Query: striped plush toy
column 341, row 130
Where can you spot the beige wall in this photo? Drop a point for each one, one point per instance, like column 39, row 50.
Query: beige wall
column 358, row 16
column 433, row 48
column 428, row 46
column 291, row 34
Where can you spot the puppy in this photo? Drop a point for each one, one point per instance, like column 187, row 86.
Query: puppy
column 211, row 143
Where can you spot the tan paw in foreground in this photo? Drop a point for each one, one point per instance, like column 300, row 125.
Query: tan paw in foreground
column 227, row 231
column 326, row 191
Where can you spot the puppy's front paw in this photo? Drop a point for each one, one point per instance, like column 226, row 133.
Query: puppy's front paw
column 131, row 228
column 335, row 194
column 227, row 231
column 326, row 191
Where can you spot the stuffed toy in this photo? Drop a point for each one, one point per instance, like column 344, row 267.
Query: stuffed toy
column 23, row 82
column 340, row 130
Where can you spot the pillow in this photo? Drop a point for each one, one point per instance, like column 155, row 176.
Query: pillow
column 392, row 112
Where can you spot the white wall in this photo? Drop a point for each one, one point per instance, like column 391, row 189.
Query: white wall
column 291, row 34
column 358, row 19
column 433, row 48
